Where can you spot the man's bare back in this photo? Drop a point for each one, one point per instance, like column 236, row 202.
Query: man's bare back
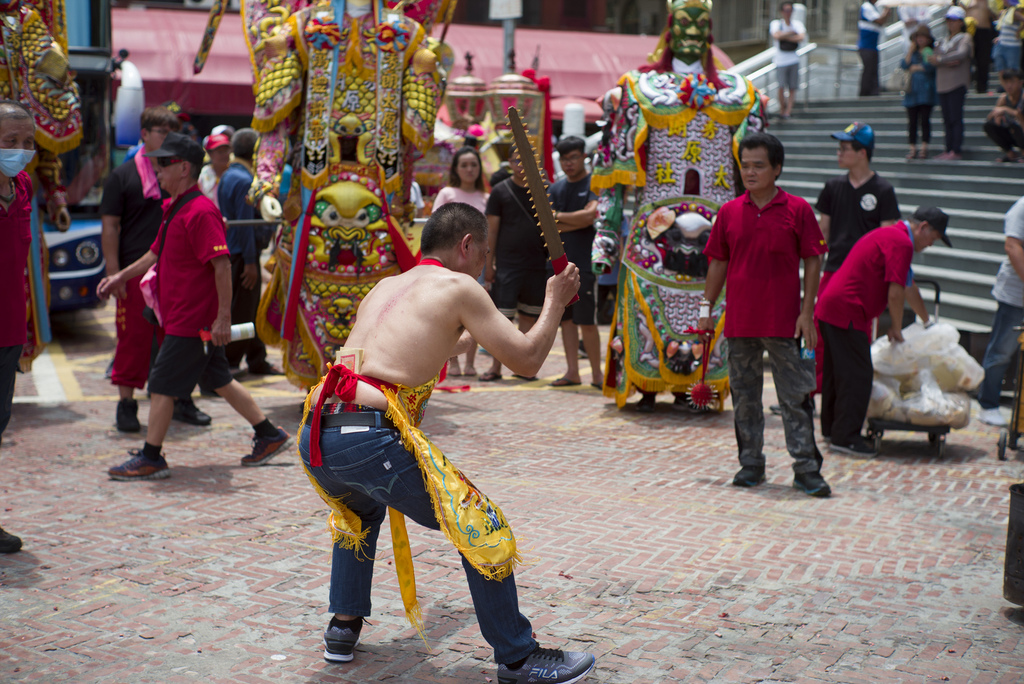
column 410, row 324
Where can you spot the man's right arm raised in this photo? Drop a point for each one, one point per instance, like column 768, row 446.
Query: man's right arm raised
column 523, row 353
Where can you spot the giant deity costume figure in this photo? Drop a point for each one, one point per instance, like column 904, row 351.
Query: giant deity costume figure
column 347, row 92
column 34, row 71
column 673, row 134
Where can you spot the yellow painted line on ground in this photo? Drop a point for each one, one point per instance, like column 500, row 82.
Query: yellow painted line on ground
column 65, row 372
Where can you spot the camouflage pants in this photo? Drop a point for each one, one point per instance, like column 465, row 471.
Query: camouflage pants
column 794, row 380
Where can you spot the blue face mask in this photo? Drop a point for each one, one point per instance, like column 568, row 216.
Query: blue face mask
column 13, row 161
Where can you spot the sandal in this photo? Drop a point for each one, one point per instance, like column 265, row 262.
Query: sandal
column 489, row 376
column 564, row 382
column 523, row 377
column 1006, row 159
column 469, row 372
column 911, row 155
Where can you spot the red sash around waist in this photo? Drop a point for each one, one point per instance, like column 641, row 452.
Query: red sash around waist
column 339, row 382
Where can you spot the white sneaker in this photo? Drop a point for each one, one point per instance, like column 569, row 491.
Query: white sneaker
column 992, row 416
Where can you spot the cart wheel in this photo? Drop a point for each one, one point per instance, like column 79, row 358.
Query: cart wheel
column 1013, row 441
column 1004, row 437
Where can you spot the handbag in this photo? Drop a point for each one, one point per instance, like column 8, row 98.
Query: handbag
column 788, row 46
column 899, row 79
column 148, row 284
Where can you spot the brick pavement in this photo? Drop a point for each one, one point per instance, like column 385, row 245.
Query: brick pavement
column 638, row 548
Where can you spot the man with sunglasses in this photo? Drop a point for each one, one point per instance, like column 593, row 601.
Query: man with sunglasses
column 193, row 292
column 130, row 214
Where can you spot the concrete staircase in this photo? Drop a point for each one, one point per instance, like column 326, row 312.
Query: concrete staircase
column 975, row 192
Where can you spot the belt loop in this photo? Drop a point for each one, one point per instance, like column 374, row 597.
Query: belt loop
column 378, row 415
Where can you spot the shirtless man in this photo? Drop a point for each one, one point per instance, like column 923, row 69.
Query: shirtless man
column 408, row 326
column 984, row 35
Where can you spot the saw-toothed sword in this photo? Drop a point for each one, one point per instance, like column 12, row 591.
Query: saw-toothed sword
column 539, row 195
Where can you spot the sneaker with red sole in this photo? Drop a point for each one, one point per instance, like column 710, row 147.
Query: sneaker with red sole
column 265, row 448
column 138, row 467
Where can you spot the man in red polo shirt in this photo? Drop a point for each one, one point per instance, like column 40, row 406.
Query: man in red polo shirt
column 193, row 296
column 872, row 276
column 755, row 248
column 17, row 147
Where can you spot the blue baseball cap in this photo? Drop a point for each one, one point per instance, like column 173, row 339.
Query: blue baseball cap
column 857, row 132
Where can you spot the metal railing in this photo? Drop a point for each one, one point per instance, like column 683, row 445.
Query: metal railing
column 832, row 71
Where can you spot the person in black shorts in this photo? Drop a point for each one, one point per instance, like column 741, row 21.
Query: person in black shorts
column 575, row 207
column 193, row 304
column 516, row 269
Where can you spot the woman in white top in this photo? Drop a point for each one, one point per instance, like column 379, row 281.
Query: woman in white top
column 466, row 185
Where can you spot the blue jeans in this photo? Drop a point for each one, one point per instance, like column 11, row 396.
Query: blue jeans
column 1006, row 56
column 1002, row 345
column 372, row 469
column 952, row 104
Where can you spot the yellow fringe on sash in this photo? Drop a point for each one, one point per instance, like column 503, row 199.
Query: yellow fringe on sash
column 417, row 444
column 347, row 530
column 406, row 574
column 345, row 526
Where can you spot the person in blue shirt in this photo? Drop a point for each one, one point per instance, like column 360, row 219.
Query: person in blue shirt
column 244, row 245
column 870, row 29
column 920, row 96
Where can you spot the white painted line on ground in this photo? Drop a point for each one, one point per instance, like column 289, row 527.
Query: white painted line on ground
column 47, row 382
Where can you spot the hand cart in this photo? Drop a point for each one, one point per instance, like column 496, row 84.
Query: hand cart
column 1009, row 435
column 936, row 433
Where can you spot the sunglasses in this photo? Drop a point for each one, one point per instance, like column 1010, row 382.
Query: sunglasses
column 164, row 162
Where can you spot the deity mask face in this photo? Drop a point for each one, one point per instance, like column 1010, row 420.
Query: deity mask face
column 690, row 29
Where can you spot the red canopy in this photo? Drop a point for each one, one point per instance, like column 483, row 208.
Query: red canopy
column 162, row 43
column 579, row 63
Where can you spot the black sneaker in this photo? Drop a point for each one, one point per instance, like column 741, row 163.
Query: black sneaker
column 128, row 415
column 812, row 483
column 749, row 476
column 8, row 542
column 857, row 448
column 186, row 411
column 339, row 642
column 646, row 403
column 549, row 665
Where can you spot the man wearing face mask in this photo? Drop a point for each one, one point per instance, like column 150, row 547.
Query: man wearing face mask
column 193, row 293
column 17, row 148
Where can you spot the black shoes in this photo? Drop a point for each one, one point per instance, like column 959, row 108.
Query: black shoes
column 340, row 641
column 264, row 369
column 646, row 403
column 8, row 542
column 812, row 483
column 749, row 476
column 128, row 415
column 857, row 447
column 187, row 412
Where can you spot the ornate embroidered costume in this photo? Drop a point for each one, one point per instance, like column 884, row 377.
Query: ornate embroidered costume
column 34, row 71
column 349, row 99
column 674, row 137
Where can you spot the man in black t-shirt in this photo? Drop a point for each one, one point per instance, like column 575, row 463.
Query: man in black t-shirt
column 575, row 207
column 516, row 268
column 851, row 205
column 131, row 211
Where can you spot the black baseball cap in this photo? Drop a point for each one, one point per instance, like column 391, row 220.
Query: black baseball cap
column 180, row 146
column 936, row 218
